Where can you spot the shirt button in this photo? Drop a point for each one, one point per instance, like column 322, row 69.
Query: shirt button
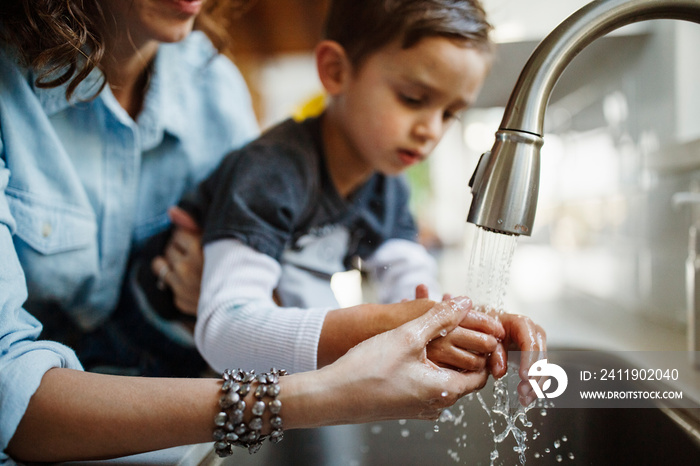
column 46, row 229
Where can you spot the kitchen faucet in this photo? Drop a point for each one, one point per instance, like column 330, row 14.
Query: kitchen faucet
column 506, row 180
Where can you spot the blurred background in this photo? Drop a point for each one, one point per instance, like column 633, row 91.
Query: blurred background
column 621, row 139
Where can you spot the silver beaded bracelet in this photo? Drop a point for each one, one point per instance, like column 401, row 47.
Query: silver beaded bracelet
column 230, row 430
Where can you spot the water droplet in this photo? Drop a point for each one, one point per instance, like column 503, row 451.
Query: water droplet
column 546, row 450
column 571, row 456
column 543, row 412
column 405, row 433
column 402, row 422
column 557, row 444
column 494, row 455
column 376, row 430
column 537, row 455
column 444, row 394
column 446, row 416
column 564, row 438
column 443, row 333
column 436, row 428
column 559, row 458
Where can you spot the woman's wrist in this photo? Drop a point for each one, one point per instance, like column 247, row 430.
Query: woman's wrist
column 249, row 411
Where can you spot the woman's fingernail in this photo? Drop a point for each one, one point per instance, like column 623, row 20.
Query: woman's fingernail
column 462, row 301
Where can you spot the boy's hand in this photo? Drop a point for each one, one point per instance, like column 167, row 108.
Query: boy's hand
column 522, row 334
column 468, row 346
column 180, row 266
column 467, row 349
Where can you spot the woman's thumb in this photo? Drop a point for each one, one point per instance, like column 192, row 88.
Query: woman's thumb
column 443, row 317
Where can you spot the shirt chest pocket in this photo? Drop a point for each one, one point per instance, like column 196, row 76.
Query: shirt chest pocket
column 57, row 247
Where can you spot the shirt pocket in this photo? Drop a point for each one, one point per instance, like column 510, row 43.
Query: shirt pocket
column 56, row 245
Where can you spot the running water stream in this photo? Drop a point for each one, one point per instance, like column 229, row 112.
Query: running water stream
column 489, row 270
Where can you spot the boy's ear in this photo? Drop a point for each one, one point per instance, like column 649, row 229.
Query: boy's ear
column 332, row 65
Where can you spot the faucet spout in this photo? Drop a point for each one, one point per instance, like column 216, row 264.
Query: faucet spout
column 505, row 184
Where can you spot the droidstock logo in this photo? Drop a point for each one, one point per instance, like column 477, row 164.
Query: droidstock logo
column 544, row 369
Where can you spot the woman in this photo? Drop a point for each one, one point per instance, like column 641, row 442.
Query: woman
column 109, row 111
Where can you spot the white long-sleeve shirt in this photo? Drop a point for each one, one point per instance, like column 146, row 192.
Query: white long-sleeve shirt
column 240, row 325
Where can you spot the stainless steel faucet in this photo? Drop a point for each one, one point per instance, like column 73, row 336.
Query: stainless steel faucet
column 506, row 181
column 505, row 184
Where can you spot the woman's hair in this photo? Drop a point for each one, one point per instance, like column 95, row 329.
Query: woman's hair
column 62, row 40
column 364, row 26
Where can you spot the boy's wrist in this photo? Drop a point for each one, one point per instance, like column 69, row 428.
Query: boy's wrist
column 346, row 327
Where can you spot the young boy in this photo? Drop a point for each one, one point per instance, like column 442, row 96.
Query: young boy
column 285, row 212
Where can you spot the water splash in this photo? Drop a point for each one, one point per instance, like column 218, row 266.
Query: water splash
column 507, row 411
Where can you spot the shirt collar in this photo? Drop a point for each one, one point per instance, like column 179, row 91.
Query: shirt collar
column 53, row 100
column 158, row 115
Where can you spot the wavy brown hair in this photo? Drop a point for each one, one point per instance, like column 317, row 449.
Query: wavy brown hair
column 63, row 42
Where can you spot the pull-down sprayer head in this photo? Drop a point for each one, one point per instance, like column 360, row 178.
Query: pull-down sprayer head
column 505, row 184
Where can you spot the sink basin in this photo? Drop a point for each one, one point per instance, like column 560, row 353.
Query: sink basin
column 597, row 436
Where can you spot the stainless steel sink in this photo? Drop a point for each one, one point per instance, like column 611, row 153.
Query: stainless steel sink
column 596, row 436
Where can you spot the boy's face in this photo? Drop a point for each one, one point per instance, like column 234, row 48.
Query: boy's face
column 399, row 103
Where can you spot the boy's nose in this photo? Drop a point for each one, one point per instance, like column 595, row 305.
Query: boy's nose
column 429, row 128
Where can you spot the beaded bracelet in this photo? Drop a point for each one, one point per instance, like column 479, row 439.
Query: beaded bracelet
column 230, row 430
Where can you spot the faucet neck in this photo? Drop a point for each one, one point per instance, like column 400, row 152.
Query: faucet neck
column 526, row 106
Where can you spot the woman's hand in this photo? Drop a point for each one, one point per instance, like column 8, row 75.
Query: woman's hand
column 469, row 345
column 180, row 266
column 468, row 349
column 390, row 376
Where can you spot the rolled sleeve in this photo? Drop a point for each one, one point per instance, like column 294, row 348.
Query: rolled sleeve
column 23, row 359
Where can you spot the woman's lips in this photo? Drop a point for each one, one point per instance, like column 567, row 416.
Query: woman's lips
column 187, row 7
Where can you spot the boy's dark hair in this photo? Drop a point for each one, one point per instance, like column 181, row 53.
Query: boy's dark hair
column 364, row 26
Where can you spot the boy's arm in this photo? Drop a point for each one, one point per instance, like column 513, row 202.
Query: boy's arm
column 398, row 266
column 239, row 323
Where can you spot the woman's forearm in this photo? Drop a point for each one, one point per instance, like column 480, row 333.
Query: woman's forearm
column 75, row 415
column 79, row 415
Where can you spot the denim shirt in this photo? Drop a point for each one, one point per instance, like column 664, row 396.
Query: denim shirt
column 81, row 183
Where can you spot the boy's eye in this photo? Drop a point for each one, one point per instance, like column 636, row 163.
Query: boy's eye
column 411, row 100
column 452, row 114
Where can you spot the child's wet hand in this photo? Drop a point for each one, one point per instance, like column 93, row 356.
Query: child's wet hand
column 523, row 335
column 467, row 346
